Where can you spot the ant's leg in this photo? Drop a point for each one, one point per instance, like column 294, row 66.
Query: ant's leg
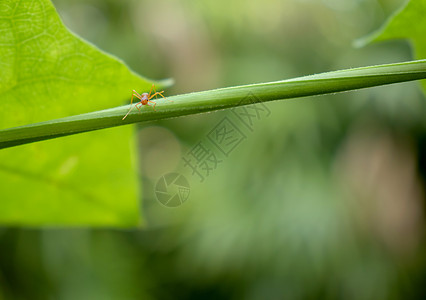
column 156, row 93
column 149, row 95
column 129, row 111
column 136, row 105
column 161, row 94
column 134, row 94
column 154, row 104
column 153, row 95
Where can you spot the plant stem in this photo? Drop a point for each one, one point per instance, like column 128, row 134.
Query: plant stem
column 194, row 103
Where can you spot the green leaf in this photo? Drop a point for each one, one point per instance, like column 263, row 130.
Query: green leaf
column 46, row 72
column 409, row 22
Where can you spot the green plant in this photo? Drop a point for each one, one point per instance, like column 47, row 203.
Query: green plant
column 53, row 85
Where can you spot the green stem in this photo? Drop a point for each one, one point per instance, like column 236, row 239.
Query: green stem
column 212, row 100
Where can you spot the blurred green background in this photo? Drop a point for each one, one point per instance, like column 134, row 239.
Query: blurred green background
column 324, row 199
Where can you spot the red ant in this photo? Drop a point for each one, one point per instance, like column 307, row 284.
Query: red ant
column 144, row 98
